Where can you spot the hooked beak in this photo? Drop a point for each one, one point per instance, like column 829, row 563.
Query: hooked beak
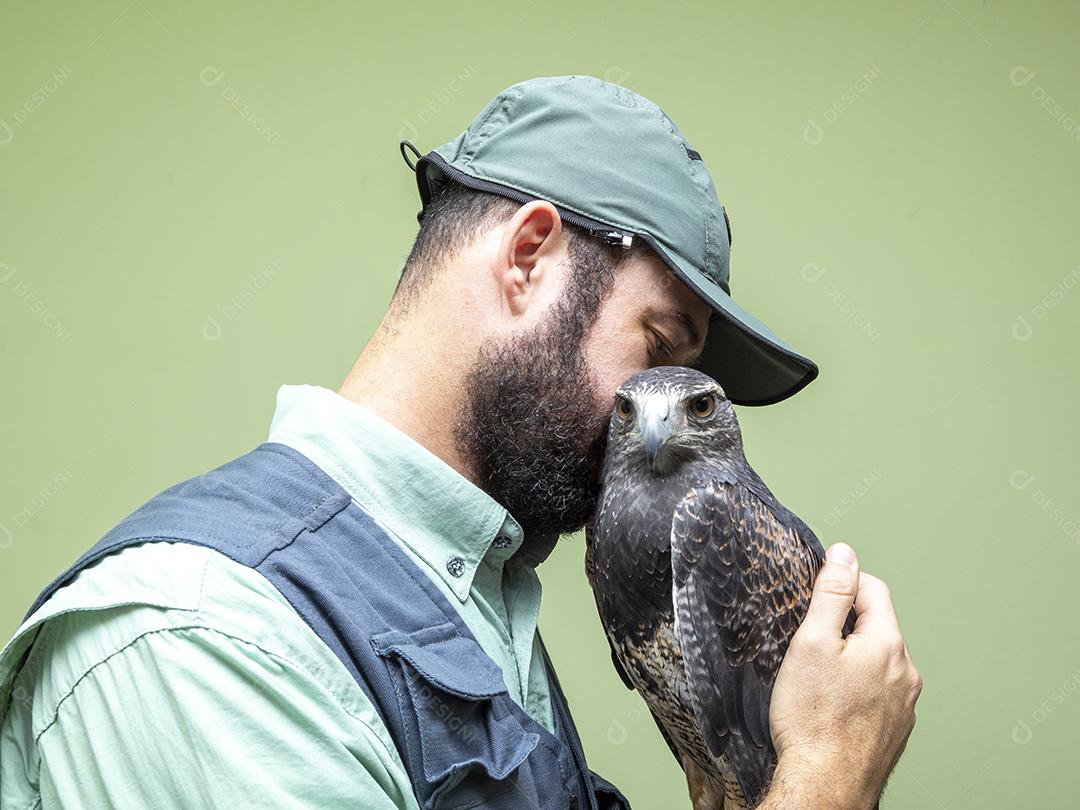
column 655, row 431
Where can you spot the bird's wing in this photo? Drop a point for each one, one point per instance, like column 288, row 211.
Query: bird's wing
column 590, row 574
column 742, row 578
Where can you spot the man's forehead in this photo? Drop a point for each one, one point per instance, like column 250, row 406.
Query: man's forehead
column 665, row 292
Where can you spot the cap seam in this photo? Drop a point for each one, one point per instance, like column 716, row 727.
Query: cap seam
column 619, row 92
column 471, row 145
column 466, row 142
column 679, row 141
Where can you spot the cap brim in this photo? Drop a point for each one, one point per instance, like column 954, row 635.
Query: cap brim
column 752, row 364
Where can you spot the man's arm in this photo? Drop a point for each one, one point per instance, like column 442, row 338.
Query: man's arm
column 842, row 708
column 192, row 717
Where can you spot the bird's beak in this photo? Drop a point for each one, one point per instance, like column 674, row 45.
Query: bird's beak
column 655, row 431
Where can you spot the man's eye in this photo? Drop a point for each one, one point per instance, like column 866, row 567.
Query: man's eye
column 662, row 348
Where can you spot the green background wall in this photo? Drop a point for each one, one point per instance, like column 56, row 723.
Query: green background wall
column 904, row 188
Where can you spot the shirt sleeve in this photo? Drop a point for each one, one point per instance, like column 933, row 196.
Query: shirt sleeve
column 194, row 717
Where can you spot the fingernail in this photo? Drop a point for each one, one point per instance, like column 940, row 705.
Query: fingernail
column 841, row 553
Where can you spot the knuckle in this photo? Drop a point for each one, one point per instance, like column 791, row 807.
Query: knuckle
column 891, row 645
column 916, row 684
column 897, row 646
column 803, row 640
column 809, row 640
column 886, row 591
column 834, row 582
column 880, row 586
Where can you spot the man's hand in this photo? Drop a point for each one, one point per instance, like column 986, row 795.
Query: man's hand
column 842, row 708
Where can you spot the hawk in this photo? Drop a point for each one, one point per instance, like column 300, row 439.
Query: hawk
column 701, row 577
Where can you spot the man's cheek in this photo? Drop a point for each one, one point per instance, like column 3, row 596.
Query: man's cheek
column 611, row 369
column 616, row 353
column 613, row 377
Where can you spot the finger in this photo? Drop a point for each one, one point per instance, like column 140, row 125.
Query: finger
column 834, row 591
column 874, row 611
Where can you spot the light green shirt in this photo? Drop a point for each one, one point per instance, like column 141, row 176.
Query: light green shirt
column 167, row 675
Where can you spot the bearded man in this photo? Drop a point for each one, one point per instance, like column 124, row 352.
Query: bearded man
column 346, row 615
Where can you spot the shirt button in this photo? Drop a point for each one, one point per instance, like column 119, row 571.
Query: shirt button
column 456, row 566
column 501, row 541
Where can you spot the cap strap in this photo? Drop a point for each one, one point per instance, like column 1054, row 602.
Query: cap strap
column 405, row 157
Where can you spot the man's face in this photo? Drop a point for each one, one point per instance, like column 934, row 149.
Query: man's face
column 539, row 402
column 651, row 318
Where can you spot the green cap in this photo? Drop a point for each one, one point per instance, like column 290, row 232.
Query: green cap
column 611, row 161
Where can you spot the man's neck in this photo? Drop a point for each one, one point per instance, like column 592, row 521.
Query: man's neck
column 402, row 378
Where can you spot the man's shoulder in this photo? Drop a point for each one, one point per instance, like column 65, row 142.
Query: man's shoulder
column 108, row 605
column 146, row 599
column 164, row 587
column 105, row 608
column 157, row 573
column 192, row 631
column 155, row 586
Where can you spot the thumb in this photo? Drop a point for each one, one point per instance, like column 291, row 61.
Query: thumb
column 834, row 591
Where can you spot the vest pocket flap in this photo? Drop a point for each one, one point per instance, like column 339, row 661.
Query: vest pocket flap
column 446, row 659
column 461, row 738
column 457, row 713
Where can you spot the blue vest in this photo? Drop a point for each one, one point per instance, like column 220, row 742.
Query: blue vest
column 464, row 741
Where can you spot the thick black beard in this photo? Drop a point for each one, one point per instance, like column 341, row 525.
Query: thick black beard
column 533, row 426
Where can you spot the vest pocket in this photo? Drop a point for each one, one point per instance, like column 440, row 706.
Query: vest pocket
column 465, row 744
column 608, row 797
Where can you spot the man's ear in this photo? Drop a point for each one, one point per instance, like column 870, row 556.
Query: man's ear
column 531, row 246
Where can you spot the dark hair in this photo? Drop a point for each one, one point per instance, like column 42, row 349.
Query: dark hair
column 456, row 215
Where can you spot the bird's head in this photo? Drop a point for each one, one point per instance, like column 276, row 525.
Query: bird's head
column 670, row 414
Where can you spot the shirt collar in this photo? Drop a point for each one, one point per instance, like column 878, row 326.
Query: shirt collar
column 445, row 519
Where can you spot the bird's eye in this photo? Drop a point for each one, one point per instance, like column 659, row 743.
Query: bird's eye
column 703, row 406
column 623, row 407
